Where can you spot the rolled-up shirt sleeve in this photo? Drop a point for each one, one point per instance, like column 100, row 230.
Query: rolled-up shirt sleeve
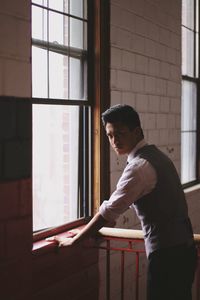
column 138, row 179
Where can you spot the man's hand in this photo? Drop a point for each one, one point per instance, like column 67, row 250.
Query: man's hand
column 90, row 230
column 61, row 241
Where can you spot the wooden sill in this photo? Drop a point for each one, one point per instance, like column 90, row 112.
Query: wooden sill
column 41, row 235
column 41, row 245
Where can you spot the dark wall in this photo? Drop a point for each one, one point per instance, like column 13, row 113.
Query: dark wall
column 47, row 273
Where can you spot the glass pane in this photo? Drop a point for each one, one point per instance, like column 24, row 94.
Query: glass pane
column 60, row 5
column 55, row 165
column 39, row 23
column 39, row 73
column 58, row 29
column 76, row 33
column 187, row 52
column 197, row 55
column 76, row 8
column 197, row 15
column 76, row 80
column 188, row 157
column 58, row 76
column 40, row 2
column 188, row 13
column 188, row 106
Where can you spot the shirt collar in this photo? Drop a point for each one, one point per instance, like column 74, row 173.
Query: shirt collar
column 139, row 145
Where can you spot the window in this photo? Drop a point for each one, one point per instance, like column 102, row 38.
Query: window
column 190, row 82
column 63, row 104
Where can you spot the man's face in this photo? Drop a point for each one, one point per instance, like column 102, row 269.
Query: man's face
column 121, row 138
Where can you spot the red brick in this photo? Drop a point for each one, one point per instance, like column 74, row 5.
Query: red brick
column 25, row 197
column 9, row 195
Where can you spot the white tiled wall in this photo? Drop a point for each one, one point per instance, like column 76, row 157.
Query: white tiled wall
column 146, row 67
column 146, row 73
column 15, row 35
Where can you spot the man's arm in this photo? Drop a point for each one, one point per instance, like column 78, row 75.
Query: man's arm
column 96, row 223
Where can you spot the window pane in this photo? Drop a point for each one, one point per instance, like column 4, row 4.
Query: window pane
column 188, row 106
column 188, row 157
column 188, row 13
column 187, row 52
column 58, row 29
column 40, row 2
column 58, row 76
column 39, row 23
column 76, row 33
column 197, row 55
column 57, row 4
column 197, row 15
column 77, row 8
column 55, row 165
column 39, row 73
column 76, row 80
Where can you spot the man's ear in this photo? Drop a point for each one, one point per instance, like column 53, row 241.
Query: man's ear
column 138, row 131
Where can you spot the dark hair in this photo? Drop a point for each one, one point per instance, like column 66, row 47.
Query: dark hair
column 121, row 113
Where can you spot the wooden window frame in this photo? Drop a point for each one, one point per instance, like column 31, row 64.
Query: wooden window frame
column 99, row 90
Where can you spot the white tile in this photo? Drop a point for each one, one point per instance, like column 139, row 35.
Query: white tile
column 161, row 52
column 153, row 31
column 138, row 44
column 115, row 15
column 150, row 85
column 115, row 97
column 113, row 35
column 8, row 35
column 164, row 36
column 161, row 121
column 164, row 104
column 153, row 136
column 116, row 58
column 150, row 121
column 154, row 67
column 128, row 60
column 19, row 8
column 163, row 136
column 17, row 80
column 124, row 39
column 165, row 70
column 154, row 103
column 172, row 89
column 161, row 86
column 142, row 102
column 128, row 20
column 175, row 105
column 171, row 121
column 150, row 48
column 129, row 98
column 141, row 26
column 141, row 64
column 138, row 82
column 113, row 79
column 124, row 80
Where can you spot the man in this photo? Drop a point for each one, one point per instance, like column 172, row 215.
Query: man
column 150, row 185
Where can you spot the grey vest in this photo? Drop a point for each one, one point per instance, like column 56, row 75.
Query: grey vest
column 163, row 212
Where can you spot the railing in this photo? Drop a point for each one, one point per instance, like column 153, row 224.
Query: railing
column 131, row 241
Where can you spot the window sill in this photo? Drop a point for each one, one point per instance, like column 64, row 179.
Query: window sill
column 194, row 188
column 41, row 246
